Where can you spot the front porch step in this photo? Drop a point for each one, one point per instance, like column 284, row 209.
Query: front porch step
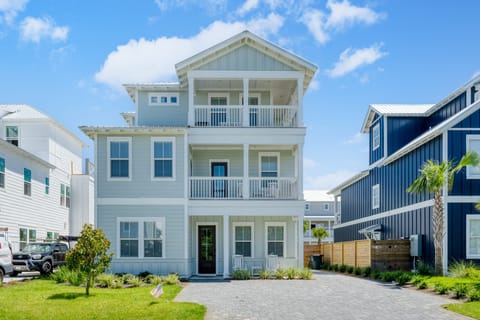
column 207, row 279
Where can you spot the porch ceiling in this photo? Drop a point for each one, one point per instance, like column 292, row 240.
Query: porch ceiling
column 240, row 147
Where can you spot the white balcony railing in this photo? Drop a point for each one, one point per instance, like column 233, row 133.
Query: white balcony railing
column 255, row 116
column 233, row 188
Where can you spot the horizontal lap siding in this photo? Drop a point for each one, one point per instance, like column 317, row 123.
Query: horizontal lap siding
column 394, row 179
column 396, row 227
column 457, row 234
column 168, row 116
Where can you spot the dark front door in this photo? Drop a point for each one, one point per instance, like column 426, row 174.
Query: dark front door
column 206, row 250
column 219, row 186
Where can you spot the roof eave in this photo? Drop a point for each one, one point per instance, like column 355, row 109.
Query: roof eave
column 349, row 182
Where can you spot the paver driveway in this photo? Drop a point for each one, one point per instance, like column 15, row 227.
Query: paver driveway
column 329, row 296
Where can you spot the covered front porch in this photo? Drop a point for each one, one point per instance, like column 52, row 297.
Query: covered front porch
column 221, row 244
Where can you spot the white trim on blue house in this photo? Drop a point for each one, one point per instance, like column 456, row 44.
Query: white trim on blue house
column 469, row 218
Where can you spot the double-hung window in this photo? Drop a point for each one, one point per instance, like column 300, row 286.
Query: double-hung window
column 276, row 238
column 473, row 144
column 269, row 166
column 141, row 237
column 27, row 236
column 27, row 182
column 376, row 196
column 473, row 236
column 376, row 136
column 119, row 158
column 163, row 158
column 2, row 173
column 11, row 135
column 243, row 235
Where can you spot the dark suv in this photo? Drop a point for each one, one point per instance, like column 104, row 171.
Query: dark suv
column 42, row 256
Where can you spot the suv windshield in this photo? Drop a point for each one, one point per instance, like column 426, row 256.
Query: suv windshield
column 40, row 248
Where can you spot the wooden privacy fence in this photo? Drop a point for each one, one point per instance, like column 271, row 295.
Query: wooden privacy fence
column 379, row 254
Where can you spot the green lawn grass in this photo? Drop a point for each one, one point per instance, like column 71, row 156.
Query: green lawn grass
column 470, row 309
column 44, row 299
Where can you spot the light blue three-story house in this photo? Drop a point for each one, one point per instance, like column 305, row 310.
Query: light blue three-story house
column 202, row 181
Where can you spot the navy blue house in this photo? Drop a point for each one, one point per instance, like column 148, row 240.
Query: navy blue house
column 375, row 203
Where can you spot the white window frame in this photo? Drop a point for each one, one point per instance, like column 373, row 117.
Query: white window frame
column 326, row 207
column 140, row 239
column 472, row 173
column 276, row 224
column 250, row 95
column 109, row 173
column 470, row 217
column 18, row 134
column 27, row 185
column 160, row 95
column 63, row 195
column 268, row 154
column 28, row 236
column 218, row 95
column 376, row 136
column 252, row 240
column 152, row 158
column 376, row 196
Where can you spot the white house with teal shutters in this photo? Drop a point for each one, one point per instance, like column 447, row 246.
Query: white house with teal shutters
column 201, row 181
column 43, row 193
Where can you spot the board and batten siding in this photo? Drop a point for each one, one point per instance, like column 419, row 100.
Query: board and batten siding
column 457, row 233
column 162, row 115
column 141, row 184
column 393, row 179
column 402, row 130
column 454, row 106
column 174, row 237
column 246, row 58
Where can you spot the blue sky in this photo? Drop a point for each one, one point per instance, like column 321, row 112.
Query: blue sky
column 69, row 58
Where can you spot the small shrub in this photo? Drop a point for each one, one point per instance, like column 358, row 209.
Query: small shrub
column 422, row 284
column 280, row 274
column 366, row 271
column 342, row 268
column 463, row 269
column 387, row 276
column 144, row 274
column 441, row 288
column 325, row 266
column 135, row 281
column 291, row 273
column 424, row 269
column 109, row 281
column 349, row 269
column 305, row 274
column 334, row 267
column 416, row 279
column 60, row 275
column 460, row 290
column 241, row 274
column 154, row 279
column 357, row 271
column 265, row 274
column 401, row 278
column 473, row 294
column 126, row 278
column 172, row 279
column 375, row 274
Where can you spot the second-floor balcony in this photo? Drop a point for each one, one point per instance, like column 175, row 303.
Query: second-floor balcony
column 228, row 188
column 261, row 116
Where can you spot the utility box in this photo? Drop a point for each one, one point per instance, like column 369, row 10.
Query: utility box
column 416, row 245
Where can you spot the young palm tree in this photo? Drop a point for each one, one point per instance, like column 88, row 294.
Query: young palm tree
column 433, row 178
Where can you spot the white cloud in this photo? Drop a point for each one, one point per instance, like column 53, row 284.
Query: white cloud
column 327, row 181
column 351, row 60
column 341, row 15
column 314, row 85
column 247, row 6
column 154, row 60
column 344, row 14
column 356, row 139
column 212, row 6
column 35, row 29
column 315, row 22
column 10, row 8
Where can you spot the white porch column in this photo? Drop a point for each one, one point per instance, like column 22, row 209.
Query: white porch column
column 191, row 110
column 226, row 246
column 300, row 102
column 246, row 120
column 300, row 171
column 246, row 183
column 300, row 240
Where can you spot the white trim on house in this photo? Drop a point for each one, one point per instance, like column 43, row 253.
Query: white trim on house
column 158, row 96
column 197, row 260
column 376, row 137
column 276, row 224
column 473, row 172
column 152, row 158
column 468, row 235
column 218, row 95
column 257, row 95
column 252, row 240
column 210, row 161
column 140, row 201
column 109, row 173
column 462, row 199
column 412, row 207
column 140, row 238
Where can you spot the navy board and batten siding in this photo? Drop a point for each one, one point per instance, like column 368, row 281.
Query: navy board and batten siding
column 449, row 109
column 402, row 130
column 457, row 225
column 378, row 153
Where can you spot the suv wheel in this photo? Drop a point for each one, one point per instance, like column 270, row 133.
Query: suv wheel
column 46, row 267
